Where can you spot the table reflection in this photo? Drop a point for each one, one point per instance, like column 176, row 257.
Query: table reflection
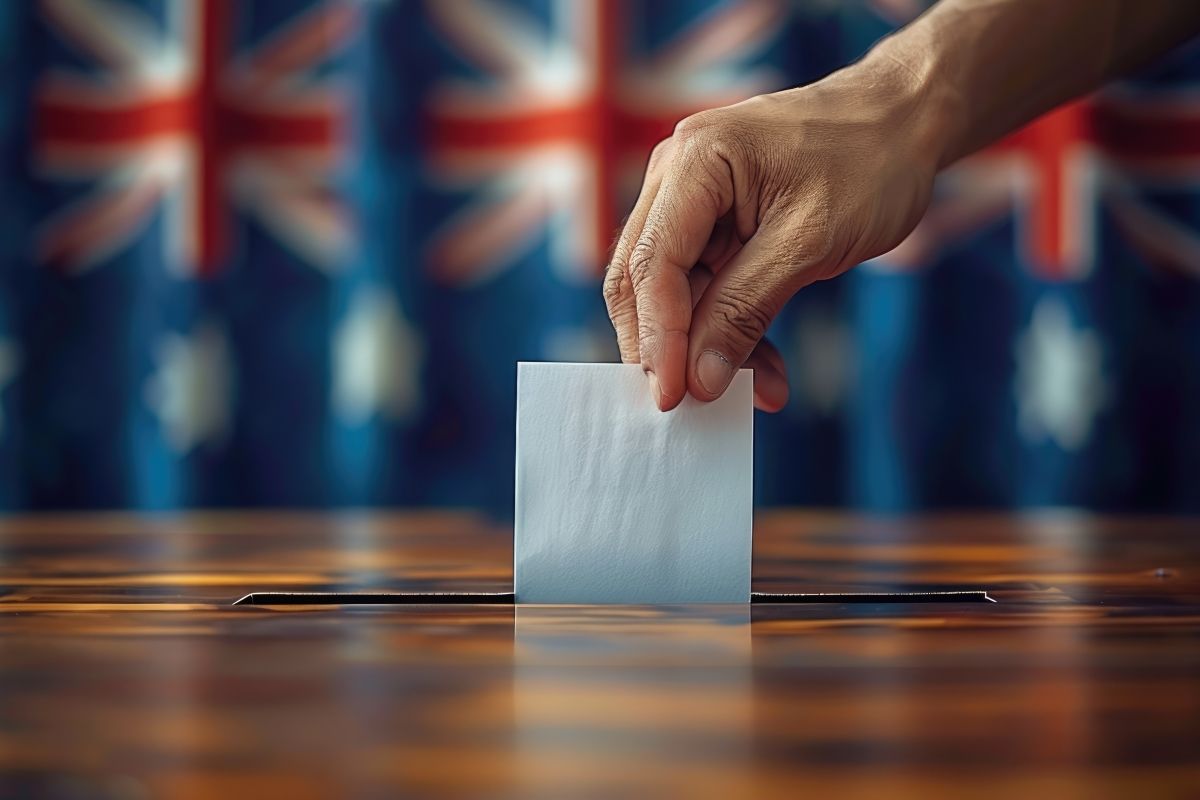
column 632, row 699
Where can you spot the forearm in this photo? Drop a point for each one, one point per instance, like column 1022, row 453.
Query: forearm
column 986, row 67
column 745, row 205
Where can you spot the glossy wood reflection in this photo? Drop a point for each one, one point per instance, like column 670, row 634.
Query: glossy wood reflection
column 125, row 673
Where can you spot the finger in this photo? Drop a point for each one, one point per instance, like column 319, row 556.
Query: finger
column 618, row 290
column 699, row 279
column 693, row 196
column 770, row 371
column 721, row 246
column 622, row 311
column 733, row 316
column 723, row 243
column 770, row 377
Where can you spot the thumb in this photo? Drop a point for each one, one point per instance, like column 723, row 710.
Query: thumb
column 734, row 313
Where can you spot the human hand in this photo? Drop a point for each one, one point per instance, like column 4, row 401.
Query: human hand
column 745, row 205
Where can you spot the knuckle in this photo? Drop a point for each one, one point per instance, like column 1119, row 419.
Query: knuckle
column 648, row 342
column 700, row 125
column 711, row 187
column 640, row 261
column 743, row 320
column 708, row 150
column 653, row 341
column 658, row 155
column 613, row 288
column 619, row 261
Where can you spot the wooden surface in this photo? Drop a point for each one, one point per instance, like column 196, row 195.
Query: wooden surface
column 125, row 673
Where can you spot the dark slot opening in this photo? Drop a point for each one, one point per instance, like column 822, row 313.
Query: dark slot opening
column 508, row 598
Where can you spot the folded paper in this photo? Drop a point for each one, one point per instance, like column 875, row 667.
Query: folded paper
column 618, row 502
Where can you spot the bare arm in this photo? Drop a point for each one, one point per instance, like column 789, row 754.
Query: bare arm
column 745, row 205
column 1001, row 63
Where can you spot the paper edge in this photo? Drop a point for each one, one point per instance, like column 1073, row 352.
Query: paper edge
column 517, row 488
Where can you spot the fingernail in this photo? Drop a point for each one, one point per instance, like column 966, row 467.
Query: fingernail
column 713, row 371
column 655, row 389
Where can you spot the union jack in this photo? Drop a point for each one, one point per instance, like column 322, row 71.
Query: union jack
column 559, row 121
column 174, row 116
column 1056, row 171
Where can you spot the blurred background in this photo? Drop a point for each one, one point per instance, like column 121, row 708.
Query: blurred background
column 286, row 253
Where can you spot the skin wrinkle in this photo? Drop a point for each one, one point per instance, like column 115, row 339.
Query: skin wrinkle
column 745, row 315
column 715, row 198
column 782, row 190
column 628, row 332
column 743, row 231
column 654, row 260
column 724, row 244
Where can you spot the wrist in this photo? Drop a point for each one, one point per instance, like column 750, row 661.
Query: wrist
column 916, row 96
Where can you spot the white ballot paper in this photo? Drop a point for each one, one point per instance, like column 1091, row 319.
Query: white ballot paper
column 618, row 502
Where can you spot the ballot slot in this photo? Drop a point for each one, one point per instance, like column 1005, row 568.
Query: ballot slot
column 374, row 598
column 971, row 596
column 509, row 598
column 608, row 511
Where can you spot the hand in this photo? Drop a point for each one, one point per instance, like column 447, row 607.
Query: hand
column 745, row 205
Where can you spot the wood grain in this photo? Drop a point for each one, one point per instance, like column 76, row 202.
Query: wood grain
column 125, row 672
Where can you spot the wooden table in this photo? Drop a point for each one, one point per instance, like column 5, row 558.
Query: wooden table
column 126, row 673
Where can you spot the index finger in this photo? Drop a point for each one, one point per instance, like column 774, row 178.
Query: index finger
column 692, row 197
column 618, row 291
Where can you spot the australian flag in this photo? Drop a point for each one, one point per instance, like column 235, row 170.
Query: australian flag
column 287, row 253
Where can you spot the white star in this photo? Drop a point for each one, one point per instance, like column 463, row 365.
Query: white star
column 8, row 371
column 376, row 360
column 190, row 391
column 824, row 362
column 1059, row 384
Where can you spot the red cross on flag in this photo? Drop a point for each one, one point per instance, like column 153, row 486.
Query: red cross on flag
column 555, row 127
column 183, row 120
